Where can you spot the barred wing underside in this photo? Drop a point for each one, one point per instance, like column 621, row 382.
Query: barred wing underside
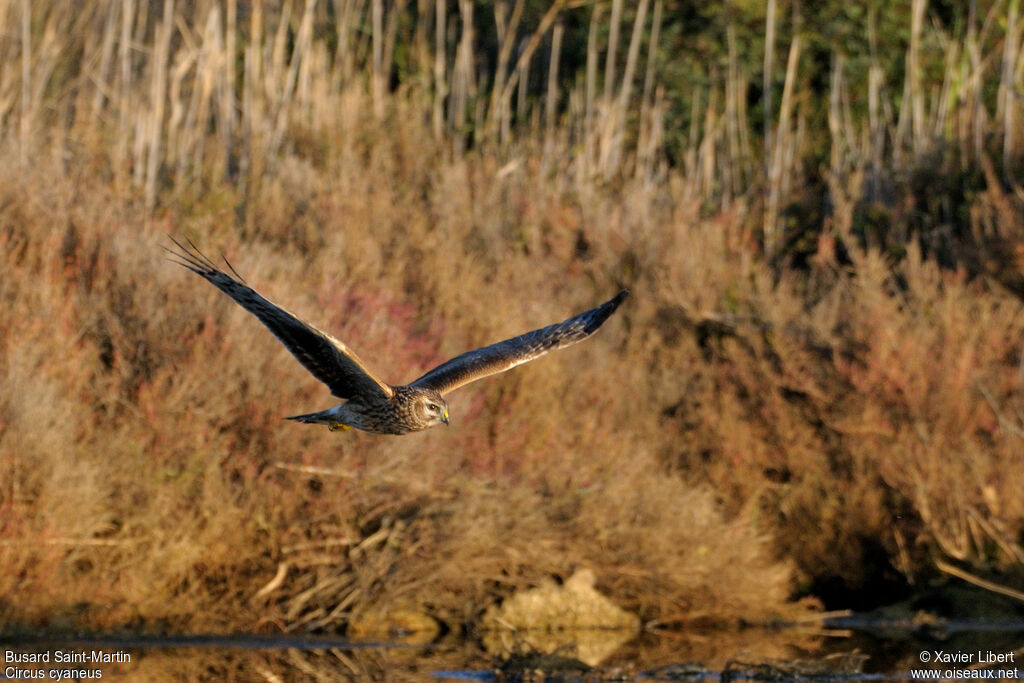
column 505, row 355
column 326, row 358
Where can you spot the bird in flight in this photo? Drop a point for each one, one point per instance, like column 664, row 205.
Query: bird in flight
column 371, row 404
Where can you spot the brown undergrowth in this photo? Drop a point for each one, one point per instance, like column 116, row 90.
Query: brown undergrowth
column 745, row 430
column 150, row 479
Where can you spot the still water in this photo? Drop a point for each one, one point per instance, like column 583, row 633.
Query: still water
column 847, row 649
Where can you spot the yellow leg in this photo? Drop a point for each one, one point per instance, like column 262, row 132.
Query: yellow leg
column 337, row 425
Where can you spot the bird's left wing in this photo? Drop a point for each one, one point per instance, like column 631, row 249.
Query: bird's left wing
column 505, row 355
column 326, row 358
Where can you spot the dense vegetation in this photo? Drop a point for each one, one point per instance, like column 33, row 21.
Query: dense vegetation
column 815, row 389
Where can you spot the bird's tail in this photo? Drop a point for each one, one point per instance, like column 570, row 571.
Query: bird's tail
column 324, row 417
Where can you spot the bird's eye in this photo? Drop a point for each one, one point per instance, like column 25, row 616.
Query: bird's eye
column 432, row 407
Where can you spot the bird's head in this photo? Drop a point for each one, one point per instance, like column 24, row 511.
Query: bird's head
column 430, row 408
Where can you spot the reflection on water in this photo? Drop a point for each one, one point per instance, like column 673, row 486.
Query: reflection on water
column 568, row 617
column 858, row 651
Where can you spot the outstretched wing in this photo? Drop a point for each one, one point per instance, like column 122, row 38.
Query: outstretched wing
column 329, row 360
column 490, row 360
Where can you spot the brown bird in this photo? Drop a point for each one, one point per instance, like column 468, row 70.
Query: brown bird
column 370, row 403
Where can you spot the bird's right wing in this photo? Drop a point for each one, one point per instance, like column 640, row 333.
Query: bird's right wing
column 326, row 358
column 505, row 355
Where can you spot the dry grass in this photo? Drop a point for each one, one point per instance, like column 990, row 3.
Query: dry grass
column 144, row 447
column 741, row 429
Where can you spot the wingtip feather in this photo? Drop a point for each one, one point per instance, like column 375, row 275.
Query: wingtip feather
column 612, row 304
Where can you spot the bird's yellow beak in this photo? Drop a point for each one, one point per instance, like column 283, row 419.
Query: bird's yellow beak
column 444, row 417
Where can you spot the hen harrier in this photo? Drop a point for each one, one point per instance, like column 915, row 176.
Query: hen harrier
column 372, row 404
